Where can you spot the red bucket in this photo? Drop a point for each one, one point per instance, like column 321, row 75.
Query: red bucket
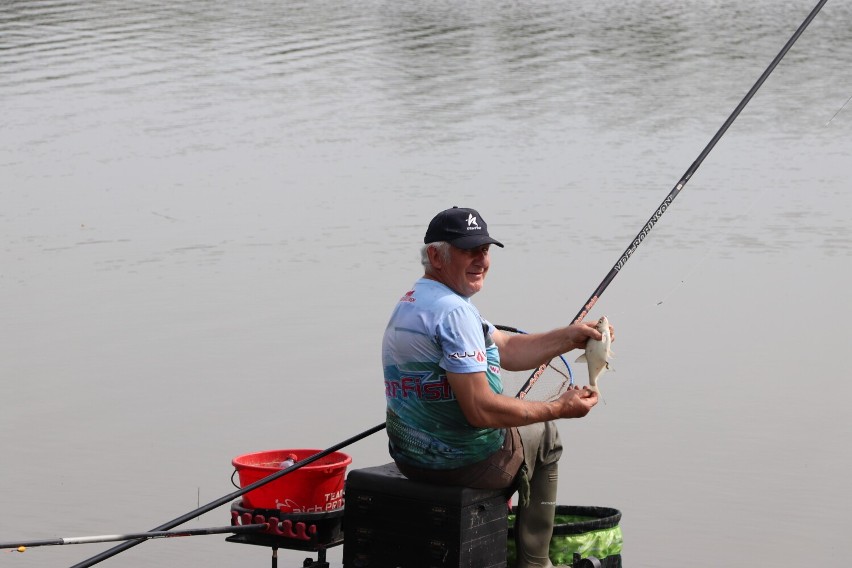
column 313, row 488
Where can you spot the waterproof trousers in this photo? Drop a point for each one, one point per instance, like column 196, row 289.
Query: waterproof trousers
column 535, row 516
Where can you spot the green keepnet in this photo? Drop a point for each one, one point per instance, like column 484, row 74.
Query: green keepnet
column 569, row 538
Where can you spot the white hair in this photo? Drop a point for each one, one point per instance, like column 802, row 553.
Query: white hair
column 443, row 249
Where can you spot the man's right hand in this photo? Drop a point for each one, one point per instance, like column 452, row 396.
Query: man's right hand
column 576, row 402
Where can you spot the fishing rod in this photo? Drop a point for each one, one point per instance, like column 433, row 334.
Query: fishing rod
column 22, row 545
column 637, row 240
column 226, row 499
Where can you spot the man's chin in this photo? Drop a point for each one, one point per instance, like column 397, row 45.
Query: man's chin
column 474, row 287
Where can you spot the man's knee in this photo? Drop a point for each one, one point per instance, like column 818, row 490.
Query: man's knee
column 542, row 444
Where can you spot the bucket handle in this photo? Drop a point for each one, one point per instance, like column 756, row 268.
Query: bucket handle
column 234, row 483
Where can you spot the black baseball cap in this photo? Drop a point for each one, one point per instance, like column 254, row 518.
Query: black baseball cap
column 461, row 227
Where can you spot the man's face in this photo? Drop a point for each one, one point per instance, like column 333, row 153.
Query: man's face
column 466, row 269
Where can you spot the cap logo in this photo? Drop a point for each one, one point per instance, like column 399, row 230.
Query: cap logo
column 472, row 225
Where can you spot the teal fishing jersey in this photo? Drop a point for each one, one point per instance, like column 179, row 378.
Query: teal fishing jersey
column 431, row 331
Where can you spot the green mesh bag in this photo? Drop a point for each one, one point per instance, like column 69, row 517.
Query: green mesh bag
column 584, row 531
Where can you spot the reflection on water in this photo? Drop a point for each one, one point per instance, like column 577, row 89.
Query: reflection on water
column 209, row 207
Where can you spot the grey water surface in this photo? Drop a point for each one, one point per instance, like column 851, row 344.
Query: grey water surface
column 208, row 210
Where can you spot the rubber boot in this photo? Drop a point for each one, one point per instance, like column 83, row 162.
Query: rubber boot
column 534, row 523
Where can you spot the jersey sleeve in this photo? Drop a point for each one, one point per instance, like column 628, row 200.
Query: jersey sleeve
column 462, row 341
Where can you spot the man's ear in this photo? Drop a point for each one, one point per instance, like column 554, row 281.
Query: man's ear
column 435, row 258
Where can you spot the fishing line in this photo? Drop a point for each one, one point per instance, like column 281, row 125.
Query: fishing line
column 711, row 247
column 838, row 110
column 714, row 244
column 637, row 240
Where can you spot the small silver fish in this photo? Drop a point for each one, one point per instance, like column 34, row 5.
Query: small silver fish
column 598, row 353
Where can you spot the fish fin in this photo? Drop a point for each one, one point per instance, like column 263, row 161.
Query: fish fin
column 611, row 353
column 580, row 359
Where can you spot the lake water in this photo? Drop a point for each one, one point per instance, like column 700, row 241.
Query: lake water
column 210, row 208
